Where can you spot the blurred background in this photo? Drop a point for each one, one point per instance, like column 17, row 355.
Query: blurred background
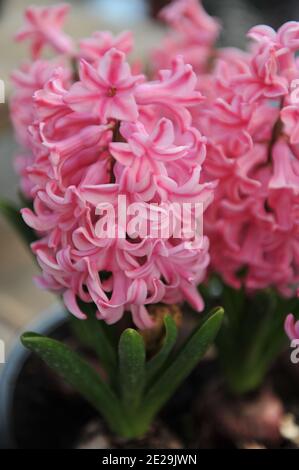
column 20, row 300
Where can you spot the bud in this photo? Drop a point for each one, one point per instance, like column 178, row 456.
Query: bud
column 153, row 337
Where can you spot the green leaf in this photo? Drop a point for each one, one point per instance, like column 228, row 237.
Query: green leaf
column 93, row 333
column 131, row 368
column 179, row 369
column 158, row 361
column 81, row 376
column 13, row 216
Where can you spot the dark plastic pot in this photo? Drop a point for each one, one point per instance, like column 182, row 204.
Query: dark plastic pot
column 47, row 323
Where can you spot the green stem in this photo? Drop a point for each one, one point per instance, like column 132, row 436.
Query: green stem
column 137, row 425
column 244, row 379
column 252, row 337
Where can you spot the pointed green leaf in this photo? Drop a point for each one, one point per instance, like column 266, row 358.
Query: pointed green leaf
column 131, row 368
column 158, row 361
column 186, row 360
column 13, row 216
column 78, row 373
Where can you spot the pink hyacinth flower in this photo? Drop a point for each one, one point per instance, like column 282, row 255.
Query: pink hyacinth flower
column 157, row 146
column 92, row 49
column 43, row 27
column 286, row 38
column 291, row 327
column 175, row 90
column 106, row 90
column 262, row 78
column 146, row 155
column 290, row 118
column 189, row 16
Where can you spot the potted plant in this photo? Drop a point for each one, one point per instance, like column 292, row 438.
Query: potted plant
column 249, row 119
column 118, row 172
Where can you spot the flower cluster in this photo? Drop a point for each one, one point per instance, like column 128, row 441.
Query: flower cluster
column 193, row 34
column 250, row 118
column 92, row 130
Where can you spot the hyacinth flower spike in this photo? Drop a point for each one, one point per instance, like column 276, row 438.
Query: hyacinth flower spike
column 91, row 130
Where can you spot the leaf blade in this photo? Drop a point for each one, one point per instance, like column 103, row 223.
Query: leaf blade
column 79, row 374
column 181, row 367
column 158, row 361
column 131, row 368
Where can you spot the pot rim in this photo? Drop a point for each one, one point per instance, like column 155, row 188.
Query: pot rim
column 45, row 322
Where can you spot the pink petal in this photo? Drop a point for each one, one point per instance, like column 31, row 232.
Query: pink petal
column 71, row 304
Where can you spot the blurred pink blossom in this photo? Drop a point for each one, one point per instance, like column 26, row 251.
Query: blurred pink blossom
column 43, row 27
column 93, row 48
column 193, row 34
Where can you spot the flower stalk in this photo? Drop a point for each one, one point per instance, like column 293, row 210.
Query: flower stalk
column 252, row 336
